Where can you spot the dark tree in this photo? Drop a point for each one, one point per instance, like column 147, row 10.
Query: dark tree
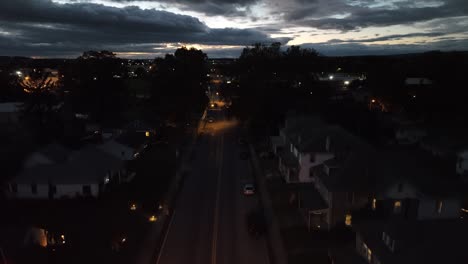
column 179, row 83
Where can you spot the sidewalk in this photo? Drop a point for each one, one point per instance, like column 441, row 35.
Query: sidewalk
column 277, row 252
column 153, row 241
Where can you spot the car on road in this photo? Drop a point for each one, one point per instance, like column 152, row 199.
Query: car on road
column 249, row 189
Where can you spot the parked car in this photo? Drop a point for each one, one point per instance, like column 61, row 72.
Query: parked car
column 249, row 189
column 256, row 224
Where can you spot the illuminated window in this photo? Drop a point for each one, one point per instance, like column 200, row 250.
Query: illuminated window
column 348, row 220
column 397, row 207
column 439, row 205
column 369, row 255
column 147, row 133
column 374, row 204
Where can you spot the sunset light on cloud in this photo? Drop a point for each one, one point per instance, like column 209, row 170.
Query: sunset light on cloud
column 64, row 28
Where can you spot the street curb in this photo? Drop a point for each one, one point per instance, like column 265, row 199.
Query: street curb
column 169, row 200
column 276, row 250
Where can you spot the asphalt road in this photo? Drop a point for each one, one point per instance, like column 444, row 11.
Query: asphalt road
column 208, row 225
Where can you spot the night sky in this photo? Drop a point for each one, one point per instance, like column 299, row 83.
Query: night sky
column 145, row 29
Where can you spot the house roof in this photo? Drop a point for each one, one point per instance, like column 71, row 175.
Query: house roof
column 132, row 139
column 288, row 159
column 87, row 165
column 116, row 149
column 9, row 107
column 55, row 152
column 311, row 198
column 353, row 166
column 353, row 172
column 429, row 241
column 426, row 173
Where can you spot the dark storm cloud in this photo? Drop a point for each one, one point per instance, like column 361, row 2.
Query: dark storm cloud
column 209, row 7
column 358, row 49
column 386, row 38
column 360, row 16
column 41, row 27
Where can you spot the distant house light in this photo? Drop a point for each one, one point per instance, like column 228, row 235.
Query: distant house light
column 374, row 204
column 228, row 82
column 397, row 207
column 147, row 133
column 346, row 82
column 153, row 218
column 373, row 101
column 348, row 219
column 330, row 77
column 19, row 73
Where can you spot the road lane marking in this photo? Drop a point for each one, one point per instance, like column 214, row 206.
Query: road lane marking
column 218, row 192
column 165, row 237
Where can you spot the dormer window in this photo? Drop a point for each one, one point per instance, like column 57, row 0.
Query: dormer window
column 327, row 144
column 388, row 241
column 439, row 205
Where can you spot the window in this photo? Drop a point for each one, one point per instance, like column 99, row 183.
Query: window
column 14, row 187
column 87, row 190
column 34, row 188
column 439, row 205
column 392, row 246
column 374, row 204
column 348, row 219
column 397, row 207
column 369, row 255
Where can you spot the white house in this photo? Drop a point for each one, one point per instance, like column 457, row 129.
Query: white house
column 462, row 163
column 302, row 141
column 417, row 81
column 415, row 187
column 9, row 113
column 393, row 241
column 82, row 173
column 409, row 134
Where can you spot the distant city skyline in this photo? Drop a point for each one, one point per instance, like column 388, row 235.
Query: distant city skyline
column 222, row 28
